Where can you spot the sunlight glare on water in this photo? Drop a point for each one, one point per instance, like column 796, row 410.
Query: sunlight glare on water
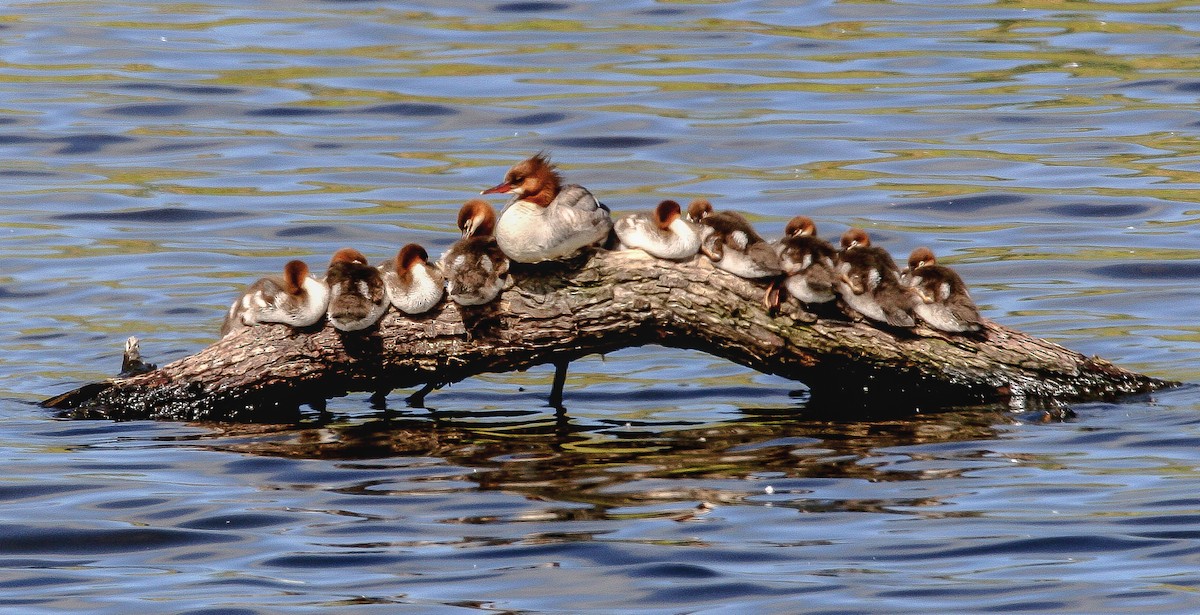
column 160, row 156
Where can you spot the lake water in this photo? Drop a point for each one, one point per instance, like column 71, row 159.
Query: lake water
column 158, row 156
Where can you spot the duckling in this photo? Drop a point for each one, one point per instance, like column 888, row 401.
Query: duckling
column 869, row 282
column 808, row 262
column 663, row 233
column 545, row 220
column 294, row 299
column 732, row 244
column 945, row 304
column 475, row 268
column 413, row 285
column 698, row 210
column 357, row 296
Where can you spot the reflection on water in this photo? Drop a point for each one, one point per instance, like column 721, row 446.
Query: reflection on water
column 158, row 156
column 564, row 459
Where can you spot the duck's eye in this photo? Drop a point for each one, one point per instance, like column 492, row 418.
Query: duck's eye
column 518, row 179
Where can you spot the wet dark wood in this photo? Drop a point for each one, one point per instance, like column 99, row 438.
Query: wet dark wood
column 610, row 300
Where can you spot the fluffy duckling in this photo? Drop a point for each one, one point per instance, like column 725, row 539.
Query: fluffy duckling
column 944, row 302
column 413, row 285
column 869, row 281
column 475, row 267
column 698, row 210
column 663, row 233
column 357, row 296
column 732, row 244
column 545, row 220
column 294, row 299
column 808, row 262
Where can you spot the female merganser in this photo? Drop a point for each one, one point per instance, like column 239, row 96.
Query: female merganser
column 731, row 243
column 869, row 282
column 663, row 233
column 295, row 299
column 944, row 302
column 475, row 267
column 545, row 220
column 413, row 285
column 357, row 297
column 808, row 262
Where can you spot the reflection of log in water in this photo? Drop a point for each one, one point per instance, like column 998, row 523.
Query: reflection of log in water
column 607, row 466
column 613, row 300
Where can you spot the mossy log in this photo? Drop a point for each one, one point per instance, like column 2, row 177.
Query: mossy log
column 602, row 302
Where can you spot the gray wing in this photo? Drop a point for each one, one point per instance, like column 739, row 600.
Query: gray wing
column 584, row 203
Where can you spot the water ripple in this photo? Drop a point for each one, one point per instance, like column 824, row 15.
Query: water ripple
column 28, row 539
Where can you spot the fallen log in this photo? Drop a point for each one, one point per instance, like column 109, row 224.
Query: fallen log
column 605, row 301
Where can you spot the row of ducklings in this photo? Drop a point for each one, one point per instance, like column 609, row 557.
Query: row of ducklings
column 546, row 220
column 354, row 295
column 809, row 268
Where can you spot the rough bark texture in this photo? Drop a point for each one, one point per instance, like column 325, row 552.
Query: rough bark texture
column 596, row 304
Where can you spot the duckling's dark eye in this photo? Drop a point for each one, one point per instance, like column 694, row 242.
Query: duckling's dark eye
column 517, row 179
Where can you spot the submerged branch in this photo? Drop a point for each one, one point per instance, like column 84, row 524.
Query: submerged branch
column 559, row 312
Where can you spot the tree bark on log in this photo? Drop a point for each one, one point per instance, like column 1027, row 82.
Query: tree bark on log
column 598, row 303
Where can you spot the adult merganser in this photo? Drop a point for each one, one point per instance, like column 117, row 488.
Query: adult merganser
column 357, row 297
column 295, row 299
column 545, row 220
column 808, row 261
column 944, row 302
column 869, row 281
column 475, row 267
column 663, row 233
column 731, row 243
column 413, row 285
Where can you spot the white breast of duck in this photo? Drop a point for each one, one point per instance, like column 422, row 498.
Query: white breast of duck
column 813, row 286
column 940, row 316
column 757, row 262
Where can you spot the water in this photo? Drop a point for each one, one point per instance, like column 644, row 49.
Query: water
column 158, row 156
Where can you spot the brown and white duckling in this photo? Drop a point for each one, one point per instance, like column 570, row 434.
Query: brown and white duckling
column 545, row 220
column 945, row 304
column 294, row 299
column 731, row 243
column 357, row 296
column 808, row 262
column 663, row 233
column 869, row 282
column 413, row 285
column 475, row 267
column 698, row 210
